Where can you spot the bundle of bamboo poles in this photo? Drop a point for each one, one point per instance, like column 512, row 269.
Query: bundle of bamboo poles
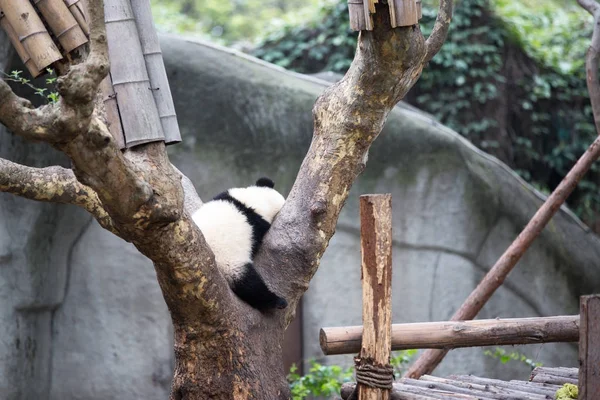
column 43, row 32
column 137, row 97
column 402, row 13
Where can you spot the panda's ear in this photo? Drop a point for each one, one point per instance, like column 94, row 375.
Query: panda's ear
column 265, row 182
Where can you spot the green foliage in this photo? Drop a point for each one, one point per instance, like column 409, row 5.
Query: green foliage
column 47, row 93
column 229, row 21
column 510, row 78
column 568, row 391
column 327, row 380
column 321, row 380
column 504, row 357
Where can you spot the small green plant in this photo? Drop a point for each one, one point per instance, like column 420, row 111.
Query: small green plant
column 321, row 380
column 567, row 392
column 400, row 360
column 504, row 357
column 326, row 380
column 47, row 93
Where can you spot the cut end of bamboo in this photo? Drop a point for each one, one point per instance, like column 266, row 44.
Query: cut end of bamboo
column 402, row 13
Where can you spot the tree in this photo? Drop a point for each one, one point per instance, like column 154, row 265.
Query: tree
column 224, row 349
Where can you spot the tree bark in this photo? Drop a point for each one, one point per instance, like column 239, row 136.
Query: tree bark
column 224, row 349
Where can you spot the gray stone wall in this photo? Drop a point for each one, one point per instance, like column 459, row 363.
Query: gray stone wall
column 81, row 314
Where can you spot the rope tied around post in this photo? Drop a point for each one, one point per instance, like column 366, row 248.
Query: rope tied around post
column 379, row 376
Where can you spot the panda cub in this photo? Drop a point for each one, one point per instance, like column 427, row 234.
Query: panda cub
column 234, row 224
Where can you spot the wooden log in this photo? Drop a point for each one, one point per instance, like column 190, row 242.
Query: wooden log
column 569, row 373
column 79, row 12
column 524, row 387
column 156, row 70
column 403, row 12
column 589, row 348
column 131, row 83
column 376, row 265
column 358, row 18
column 14, row 39
column 62, row 23
column 31, row 32
column 111, row 109
column 419, row 9
column 466, row 387
column 517, row 389
column 455, row 334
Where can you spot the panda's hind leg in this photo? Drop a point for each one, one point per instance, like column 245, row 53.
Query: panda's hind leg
column 250, row 287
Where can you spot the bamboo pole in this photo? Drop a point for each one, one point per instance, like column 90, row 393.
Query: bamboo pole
column 31, row 32
column 77, row 9
column 156, row 70
column 111, row 109
column 14, row 39
column 430, row 359
column 589, row 348
column 455, row 334
column 131, row 83
column 496, row 276
column 376, row 248
column 62, row 23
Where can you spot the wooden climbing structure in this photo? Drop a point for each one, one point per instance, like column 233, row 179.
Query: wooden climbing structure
column 542, row 385
column 377, row 337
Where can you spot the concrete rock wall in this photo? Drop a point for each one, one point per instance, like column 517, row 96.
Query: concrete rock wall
column 81, row 314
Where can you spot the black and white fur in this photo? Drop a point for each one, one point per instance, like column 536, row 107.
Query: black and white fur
column 234, row 224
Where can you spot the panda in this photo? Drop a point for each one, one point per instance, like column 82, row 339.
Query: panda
column 234, row 224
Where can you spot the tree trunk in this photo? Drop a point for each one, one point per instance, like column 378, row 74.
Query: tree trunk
column 224, row 349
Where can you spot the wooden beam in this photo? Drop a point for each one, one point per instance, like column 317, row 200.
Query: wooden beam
column 589, row 348
column 376, row 248
column 450, row 334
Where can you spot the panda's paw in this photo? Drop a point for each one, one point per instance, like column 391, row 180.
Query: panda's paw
column 281, row 303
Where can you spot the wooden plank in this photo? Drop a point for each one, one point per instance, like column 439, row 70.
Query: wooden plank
column 589, row 348
column 356, row 13
column 131, row 83
column 376, row 249
column 156, row 70
column 450, row 334
column 403, row 13
column 31, row 32
column 62, row 23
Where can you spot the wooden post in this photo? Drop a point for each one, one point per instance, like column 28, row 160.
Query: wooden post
column 589, row 348
column 376, row 247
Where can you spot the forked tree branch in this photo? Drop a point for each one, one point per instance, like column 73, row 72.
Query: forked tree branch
column 430, row 359
column 138, row 188
column 440, row 29
column 348, row 117
column 52, row 184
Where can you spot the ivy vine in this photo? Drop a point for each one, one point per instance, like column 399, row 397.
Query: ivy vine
column 513, row 84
